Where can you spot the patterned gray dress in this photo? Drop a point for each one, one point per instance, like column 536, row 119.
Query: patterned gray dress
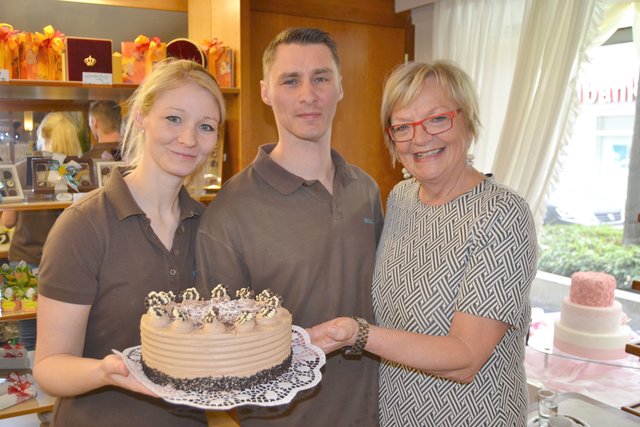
column 475, row 254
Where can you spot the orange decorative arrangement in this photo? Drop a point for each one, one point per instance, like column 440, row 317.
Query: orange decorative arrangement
column 220, row 60
column 10, row 50
column 41, row 58
column 140, row 56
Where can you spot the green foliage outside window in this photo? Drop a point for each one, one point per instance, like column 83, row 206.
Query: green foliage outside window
column 565, row 249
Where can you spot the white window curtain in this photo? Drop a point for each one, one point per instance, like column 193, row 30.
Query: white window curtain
column 482, row 37
column 526, row 120
column 543, row 102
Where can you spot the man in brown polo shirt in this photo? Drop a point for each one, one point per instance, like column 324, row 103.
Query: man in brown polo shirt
column 304, row 223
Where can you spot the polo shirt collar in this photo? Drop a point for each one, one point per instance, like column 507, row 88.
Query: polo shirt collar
column 120, row 197
column 286, row 182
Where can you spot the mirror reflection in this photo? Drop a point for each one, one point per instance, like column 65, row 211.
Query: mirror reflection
column 18, row 133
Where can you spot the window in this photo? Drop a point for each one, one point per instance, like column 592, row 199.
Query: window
column 585, row 215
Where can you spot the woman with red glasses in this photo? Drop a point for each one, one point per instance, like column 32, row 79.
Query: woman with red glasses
column 453, row 270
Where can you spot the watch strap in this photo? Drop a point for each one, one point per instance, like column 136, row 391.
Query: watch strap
column 361, row 338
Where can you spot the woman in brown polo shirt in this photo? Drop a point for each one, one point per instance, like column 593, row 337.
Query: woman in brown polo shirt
column 109, row 250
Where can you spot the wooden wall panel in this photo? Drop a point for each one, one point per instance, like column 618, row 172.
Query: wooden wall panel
column 377, row 12
column 367, row 52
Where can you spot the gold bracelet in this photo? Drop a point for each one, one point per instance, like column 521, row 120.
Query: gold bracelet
column 361, row 338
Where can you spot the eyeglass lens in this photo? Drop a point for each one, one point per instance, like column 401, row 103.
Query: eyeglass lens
column 432, row 125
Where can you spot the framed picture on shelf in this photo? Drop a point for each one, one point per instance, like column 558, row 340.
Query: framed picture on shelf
column 43, row 167
column 104, row 169
column 10, row 187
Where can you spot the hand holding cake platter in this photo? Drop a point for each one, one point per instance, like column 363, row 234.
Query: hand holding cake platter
column 218, row 354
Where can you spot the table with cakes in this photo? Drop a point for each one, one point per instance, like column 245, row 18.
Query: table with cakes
column 587, row 354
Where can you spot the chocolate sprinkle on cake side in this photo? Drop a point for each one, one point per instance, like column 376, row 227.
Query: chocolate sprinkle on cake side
column 211, row 384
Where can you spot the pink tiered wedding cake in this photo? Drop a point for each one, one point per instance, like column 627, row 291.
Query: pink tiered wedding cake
column 592, row 324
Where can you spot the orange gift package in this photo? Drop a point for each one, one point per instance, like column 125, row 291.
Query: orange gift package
column 41, row 55
column 220, row 60
column 10, row 41
column 139, row 57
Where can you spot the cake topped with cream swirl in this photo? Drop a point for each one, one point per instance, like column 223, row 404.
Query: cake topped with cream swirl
column 189, row 306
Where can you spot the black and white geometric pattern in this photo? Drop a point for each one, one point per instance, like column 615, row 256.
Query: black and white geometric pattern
column 475, row 254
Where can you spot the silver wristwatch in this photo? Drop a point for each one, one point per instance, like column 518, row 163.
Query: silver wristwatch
column 361, row 338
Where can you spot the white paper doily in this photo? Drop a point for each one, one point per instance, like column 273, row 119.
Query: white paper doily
column 304, row 373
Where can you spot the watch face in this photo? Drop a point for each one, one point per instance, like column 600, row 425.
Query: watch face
column 10, row 183
column 7, row 175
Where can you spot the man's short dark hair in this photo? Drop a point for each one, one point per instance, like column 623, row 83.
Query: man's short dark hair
column 298, row 35
column 108, row 113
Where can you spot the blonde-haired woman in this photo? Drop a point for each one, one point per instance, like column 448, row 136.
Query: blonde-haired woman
column 58, row 134
column 110, row 249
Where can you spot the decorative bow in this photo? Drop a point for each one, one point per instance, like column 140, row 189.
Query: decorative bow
column 51, row 38
column 9, row 36
column 142, row 44
column 215, row 49
column 21, row 385
column 210, row 46
column 66, row 172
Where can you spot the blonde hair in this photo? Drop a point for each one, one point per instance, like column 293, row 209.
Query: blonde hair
column 405, row 84
column 58, row 134
column 167, row 75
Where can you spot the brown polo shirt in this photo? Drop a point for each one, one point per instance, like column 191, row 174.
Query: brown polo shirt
column 30, row 234
column 103, row 252
column 97, row 149
column 271, row 229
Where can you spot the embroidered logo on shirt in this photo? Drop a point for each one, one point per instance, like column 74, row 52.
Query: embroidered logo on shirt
column 368, row 220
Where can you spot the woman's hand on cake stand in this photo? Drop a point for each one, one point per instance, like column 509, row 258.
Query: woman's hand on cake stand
column 117, row 373
column 334, row 334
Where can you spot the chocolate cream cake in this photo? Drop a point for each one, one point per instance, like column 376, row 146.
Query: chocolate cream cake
column 194, row 344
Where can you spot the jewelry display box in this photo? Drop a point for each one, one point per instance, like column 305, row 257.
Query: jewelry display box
column 87, row 55
column 10, row 187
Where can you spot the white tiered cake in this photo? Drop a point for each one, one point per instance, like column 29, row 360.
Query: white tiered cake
column 592, row 324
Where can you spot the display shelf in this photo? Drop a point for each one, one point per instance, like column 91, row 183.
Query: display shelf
column 41, row 205
column 31, row 94
column 34, row 205
column 41, row 403
column 7, row 316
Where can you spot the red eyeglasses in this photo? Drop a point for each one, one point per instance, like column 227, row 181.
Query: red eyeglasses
column 433, row 125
